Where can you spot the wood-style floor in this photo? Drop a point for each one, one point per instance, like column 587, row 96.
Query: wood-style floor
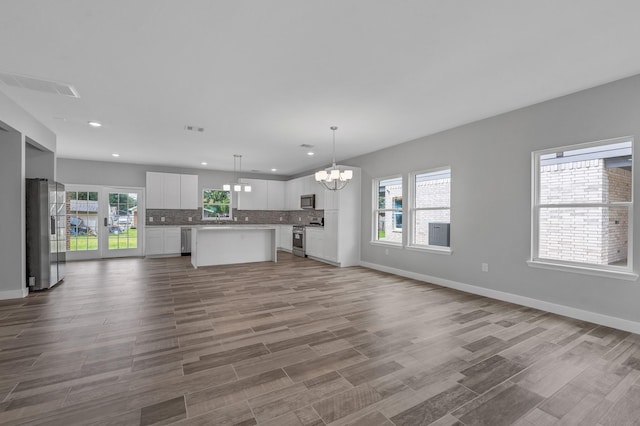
column 153, row 341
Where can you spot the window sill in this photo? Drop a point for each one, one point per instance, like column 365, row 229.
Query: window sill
column 620, row 275
column 385, row 244
column 430, row 249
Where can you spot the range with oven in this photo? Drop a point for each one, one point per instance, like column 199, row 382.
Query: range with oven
column 298, row 245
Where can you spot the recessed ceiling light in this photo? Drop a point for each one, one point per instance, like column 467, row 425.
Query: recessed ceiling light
column 115, row 155
column 310, row 153
column 274, row 170
column 204, row 163
column 94, row 124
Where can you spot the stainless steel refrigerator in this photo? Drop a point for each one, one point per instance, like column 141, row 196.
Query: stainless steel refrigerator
column 46, row 209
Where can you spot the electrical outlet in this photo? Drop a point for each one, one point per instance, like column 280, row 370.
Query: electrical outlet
column 299, row 219
column 246, row 219
column 280, row 218
column 150, row 218
column 485, row 267
column 235, row 219
column 386, row 251
column 190, row 219
column 162, row 219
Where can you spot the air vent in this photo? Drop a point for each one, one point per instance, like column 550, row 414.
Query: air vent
column 306, row 145
column 39, row 85
column 194, row 128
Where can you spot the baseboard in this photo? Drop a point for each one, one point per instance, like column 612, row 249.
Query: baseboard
column 606, row 320
column 14, row 294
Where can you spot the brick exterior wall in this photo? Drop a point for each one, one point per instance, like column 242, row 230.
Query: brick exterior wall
column 429, row 193
column 589, row 235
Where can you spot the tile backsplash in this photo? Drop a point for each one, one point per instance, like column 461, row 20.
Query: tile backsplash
column 173, row 217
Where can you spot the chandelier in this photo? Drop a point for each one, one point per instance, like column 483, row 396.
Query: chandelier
column 334, row 178
column 237, row 185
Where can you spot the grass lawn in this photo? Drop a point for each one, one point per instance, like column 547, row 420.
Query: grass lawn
column 127, row 239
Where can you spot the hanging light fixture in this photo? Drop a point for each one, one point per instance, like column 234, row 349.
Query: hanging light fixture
column 237, row 186
column 334, row 178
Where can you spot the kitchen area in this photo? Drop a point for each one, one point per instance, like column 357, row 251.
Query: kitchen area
column 297, row 216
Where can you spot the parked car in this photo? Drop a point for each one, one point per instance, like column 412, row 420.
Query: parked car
column 78, row 227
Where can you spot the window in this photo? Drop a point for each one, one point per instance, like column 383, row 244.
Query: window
column 387, row 210
column 431, row 209
column 583, row 205
column 216, row 204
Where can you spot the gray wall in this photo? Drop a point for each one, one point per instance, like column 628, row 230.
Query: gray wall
column 20, row 126
column 12, row 212
column 491, row 197
column 39, row 163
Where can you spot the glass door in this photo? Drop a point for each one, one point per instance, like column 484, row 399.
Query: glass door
column 83, row 212
column 120, row 236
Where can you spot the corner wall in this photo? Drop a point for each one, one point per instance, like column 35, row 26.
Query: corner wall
column 491, row 200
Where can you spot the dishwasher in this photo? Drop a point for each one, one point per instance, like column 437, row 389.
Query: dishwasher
column 185, row 241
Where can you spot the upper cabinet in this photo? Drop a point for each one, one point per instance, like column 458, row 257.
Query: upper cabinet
column 256, row 199
column 189, row 193
column 303, row 186
column 171, row 191
column 276, row 195
column 264, row 195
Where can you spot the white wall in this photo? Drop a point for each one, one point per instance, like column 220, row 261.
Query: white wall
column 491, row 200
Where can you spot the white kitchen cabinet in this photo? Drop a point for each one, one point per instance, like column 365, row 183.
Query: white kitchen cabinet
column 331, row 232
column 310, row 186
column 314, row 242
column 286, row 237
column 154, row 241
column 155, row 190
column 162, row 241
column 276, row 195
column 189, row 192
column 294, row 188
column 164, row 191
column 256, row 199
column 264, row 195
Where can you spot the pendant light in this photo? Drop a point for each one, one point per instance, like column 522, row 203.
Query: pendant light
column 237, row 186
column 334, row 178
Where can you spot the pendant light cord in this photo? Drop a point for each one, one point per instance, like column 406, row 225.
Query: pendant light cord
column 334, row 128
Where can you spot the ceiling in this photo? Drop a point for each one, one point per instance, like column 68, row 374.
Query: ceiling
column 264, row 77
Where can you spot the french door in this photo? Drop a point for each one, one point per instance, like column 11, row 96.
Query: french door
column 104, row 222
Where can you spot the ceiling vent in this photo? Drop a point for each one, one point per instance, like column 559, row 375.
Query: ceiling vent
column 39, row 85
column 194, row 129
column 306, row 145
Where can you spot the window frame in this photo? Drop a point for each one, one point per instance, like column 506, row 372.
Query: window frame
column 213, row 218
column 413, row 211
column 612, row 271
column 375, row 187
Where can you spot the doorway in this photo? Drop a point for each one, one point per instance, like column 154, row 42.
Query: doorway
column 104, row 222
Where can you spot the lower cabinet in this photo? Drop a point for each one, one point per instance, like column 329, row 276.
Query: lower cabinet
column 286, row 237
column 314, row 242
column 162, row 241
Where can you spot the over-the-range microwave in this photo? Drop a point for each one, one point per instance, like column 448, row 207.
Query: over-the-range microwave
column 308, row 201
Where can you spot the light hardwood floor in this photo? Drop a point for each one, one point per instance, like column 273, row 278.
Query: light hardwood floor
column 153, row 341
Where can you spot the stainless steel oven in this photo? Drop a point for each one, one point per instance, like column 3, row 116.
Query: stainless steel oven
column 297, row 248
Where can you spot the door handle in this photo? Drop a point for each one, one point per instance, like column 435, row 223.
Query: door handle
column 105, row 221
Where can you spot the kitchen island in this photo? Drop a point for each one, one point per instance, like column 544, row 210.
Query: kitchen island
column 225, row 245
